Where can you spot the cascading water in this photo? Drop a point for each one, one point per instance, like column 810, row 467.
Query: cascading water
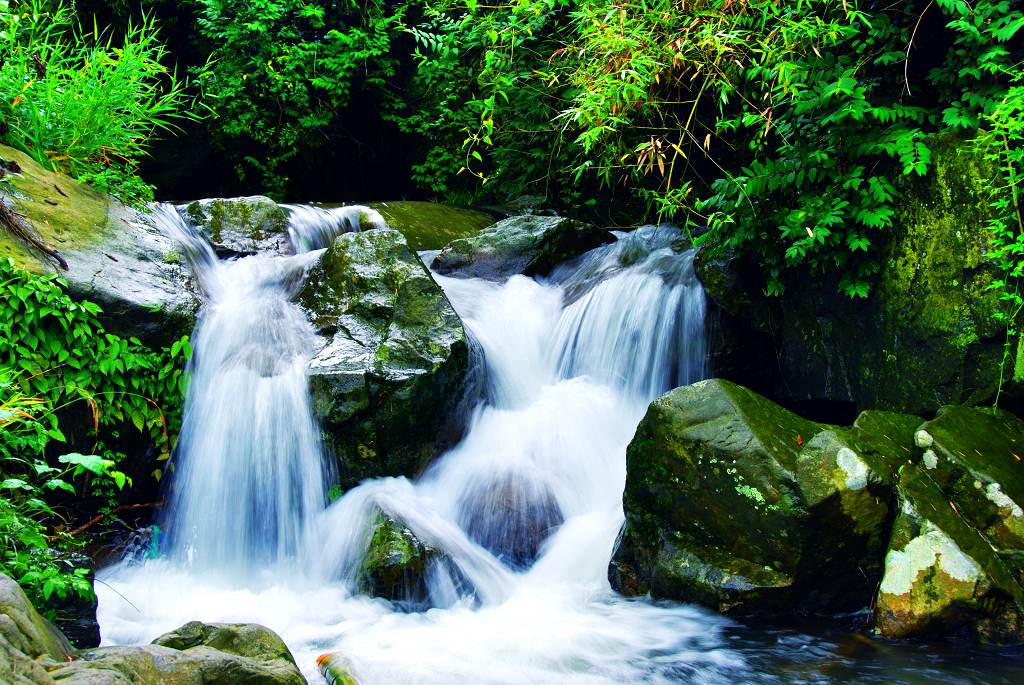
column 525, row 510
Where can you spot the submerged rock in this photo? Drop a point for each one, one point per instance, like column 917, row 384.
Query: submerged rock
column 956, row 558
column 116, row 256
column 388, row 382
column 738, row 504
column 511, row 516
column 530, row 245
column 241, row 225
column 925, row 337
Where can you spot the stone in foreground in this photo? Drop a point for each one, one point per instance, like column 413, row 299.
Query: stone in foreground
column 956, row 559
column 738, row 504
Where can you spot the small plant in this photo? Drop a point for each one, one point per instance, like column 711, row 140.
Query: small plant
column 57, row 363
column 80, row 104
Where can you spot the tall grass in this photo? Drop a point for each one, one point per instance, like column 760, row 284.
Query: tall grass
column 80, row 102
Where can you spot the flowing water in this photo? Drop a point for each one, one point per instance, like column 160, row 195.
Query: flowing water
column 525, row 509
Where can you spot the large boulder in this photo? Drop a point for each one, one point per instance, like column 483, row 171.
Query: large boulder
column 241, row 225
column 116, row 256
column 956, row 558
column 926, row 335
column 736, row 503
column 530, row 245
column 429, row 225
column 388, row 381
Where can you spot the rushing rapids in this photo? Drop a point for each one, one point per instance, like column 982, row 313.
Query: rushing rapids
column 524, row 512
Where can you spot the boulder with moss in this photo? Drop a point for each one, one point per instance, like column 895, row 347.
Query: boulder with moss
column 925, row 336
column 956, row 558
column 240, row 226
column 116, row 256
column 530, row 245
column 396, row 563
column 389, row 378
column 736, row 503
column 33, row 652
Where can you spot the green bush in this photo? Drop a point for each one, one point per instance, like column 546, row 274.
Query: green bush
column 58, row 365
column 281, row 70
column 79, row 103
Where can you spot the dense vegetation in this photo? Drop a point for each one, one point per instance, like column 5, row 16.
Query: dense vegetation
column 779, row 129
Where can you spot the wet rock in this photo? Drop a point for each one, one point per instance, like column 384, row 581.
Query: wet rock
column 117, row 258
column 530, row 245
column 33, row 652
column 956, row 558
column 429, row 225
column 240, row 226
column 511, row 516
column 388, row 382
column 23, row 632
column 738, row 504
column 926, row 335
column 396, row 563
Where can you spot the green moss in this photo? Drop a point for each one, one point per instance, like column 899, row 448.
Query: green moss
column 431, row 226
column 64, row 213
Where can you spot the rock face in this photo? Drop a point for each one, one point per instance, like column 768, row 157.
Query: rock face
column 240, row 226
column 117, row 258
column 924, row 338
column 530, row 245
column 33, row 652
column 388, row 382
column 739, row 504
column 956, row 558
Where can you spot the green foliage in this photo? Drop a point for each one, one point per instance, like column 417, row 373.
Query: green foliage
column 281, row 70
column 60, row 369
column 79, row 103
column 486, row 97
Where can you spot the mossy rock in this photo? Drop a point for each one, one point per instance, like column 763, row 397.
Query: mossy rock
column 117, row 256
column 530, row 245
column 388, row 380
column 956, row 559
column 429, row 225
column 925, row 337
column 734, row 502
column 33, row 652
column 241, row 225
column 396, row 563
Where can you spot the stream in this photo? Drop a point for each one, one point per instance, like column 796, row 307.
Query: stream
column 525, row 509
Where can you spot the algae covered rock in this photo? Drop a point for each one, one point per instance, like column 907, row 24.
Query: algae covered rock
column 925, row 336
column 240, row 225
column 388, row 381
column 956, row 558
column 734, row 502
column 117, row 257
column 33, row 652
column 429, row 225
column 396, row 563
column 530, row 245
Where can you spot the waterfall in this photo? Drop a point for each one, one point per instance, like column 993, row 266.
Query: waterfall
column 248, row 473
column 524, row 512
